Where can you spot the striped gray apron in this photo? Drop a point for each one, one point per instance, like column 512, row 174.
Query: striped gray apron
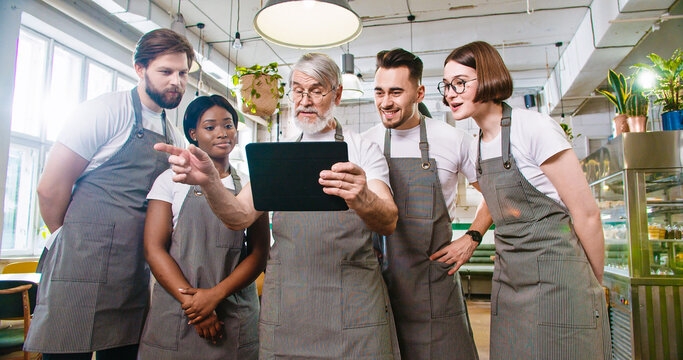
column 428, row 304
column 545, row 300
column 94, row 290
column 206, row 252
column 323, row 294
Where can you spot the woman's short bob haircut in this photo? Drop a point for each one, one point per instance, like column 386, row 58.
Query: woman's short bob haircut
column 493, row 77
column 198, row 107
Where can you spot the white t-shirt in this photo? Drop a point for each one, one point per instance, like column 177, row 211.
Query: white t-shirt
column 447, row 145
column 534, row 138
column 101, row 126
column 362, row 152
column 165, row 189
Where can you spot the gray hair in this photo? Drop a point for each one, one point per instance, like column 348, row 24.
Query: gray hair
column 320, row 67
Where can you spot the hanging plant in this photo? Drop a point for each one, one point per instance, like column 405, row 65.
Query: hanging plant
column 261, row 89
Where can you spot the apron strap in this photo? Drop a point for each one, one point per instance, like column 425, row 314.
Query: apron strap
column 236, row 180
column 505, row 122
column 505, row 134
column 163, row 123
column 137, row 107
column 424, row 145
column 338, row 134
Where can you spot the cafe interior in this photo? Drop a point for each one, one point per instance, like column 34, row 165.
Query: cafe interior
column 565, row 57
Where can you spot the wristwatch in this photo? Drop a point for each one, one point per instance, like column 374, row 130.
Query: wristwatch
column 476, row 235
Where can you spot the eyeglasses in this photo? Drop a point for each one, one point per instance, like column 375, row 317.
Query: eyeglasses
column 295, row 95
column 457, row 85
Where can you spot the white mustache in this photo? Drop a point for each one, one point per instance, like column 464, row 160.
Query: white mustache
column 308, row 109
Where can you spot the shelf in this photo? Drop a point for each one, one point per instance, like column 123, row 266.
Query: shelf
column 667, row 240
column 665, row 204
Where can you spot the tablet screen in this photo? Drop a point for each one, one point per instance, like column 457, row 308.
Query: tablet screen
column 284, row 176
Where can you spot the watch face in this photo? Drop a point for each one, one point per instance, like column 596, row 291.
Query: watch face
column 476, row 235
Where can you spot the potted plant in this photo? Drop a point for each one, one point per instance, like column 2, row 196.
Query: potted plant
column 636, row 108
column 261, row 89
column 668, row 87
column 622, row 90
column 568, row 132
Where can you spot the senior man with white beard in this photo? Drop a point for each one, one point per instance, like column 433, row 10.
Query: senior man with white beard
column 323, row 295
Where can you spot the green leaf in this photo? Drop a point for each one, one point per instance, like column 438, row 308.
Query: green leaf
column 610, row 97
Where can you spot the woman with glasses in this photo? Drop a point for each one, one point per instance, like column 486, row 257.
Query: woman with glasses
column 204, row 304
column 546, row 298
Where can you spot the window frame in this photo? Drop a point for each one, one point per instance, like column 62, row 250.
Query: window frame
column 41, row 142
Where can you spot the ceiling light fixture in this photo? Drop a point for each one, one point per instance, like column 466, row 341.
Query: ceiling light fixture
column 329, row 23
column 178, row 23
column 559, row 79
column 237, row 44
column 351, row 85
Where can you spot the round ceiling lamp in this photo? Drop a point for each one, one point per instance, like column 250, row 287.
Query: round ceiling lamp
column 351, row 85
column 329, row 23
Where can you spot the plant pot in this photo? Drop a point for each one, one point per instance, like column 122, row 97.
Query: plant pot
column 672, row 120
column 265, row 98
column 620, row 124
column 636, row 123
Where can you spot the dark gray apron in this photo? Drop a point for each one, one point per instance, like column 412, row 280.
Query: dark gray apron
column 94, row 290
column 545, row 300
column 323, row 294
column 207, row 252
column 428, row 304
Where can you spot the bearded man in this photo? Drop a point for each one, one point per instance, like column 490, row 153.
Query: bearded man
column 94, row 290
column 323, row 295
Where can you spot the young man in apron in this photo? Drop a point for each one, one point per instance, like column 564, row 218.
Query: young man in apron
column 323, row 295
column 425, row 157
column 94, row 290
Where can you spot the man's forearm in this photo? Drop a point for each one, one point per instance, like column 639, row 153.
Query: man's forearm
column 589, row 231
column 379, row 215
column 482, row 219
column 235, row 214
column 53, row 206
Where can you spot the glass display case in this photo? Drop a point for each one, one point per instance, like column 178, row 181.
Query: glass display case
column 637, row 181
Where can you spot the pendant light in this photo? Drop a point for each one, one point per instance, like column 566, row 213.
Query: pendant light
column 328, row 23
column 351, row 86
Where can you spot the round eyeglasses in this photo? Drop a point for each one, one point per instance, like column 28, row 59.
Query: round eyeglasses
column 295, row 95
column 457, row 85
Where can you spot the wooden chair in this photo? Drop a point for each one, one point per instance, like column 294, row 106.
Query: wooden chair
column 259, row 284
column 17, row 300
column 20, row 267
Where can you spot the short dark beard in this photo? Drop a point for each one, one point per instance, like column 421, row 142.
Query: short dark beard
column 158, row 96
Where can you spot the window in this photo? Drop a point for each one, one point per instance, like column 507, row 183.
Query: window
column 50, row 81
column 100, row 80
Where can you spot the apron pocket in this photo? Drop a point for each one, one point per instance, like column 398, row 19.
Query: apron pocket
column 513, row 203
column 163, row 321
column 419, row 201
column 271, row 293
column 445, row 293
column 362, row 295
column 83, row 252
column 566, row 297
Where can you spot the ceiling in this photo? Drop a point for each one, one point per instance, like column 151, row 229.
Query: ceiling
column 525, row 33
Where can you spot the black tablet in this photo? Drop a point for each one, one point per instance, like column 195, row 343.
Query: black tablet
column 284, row 176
